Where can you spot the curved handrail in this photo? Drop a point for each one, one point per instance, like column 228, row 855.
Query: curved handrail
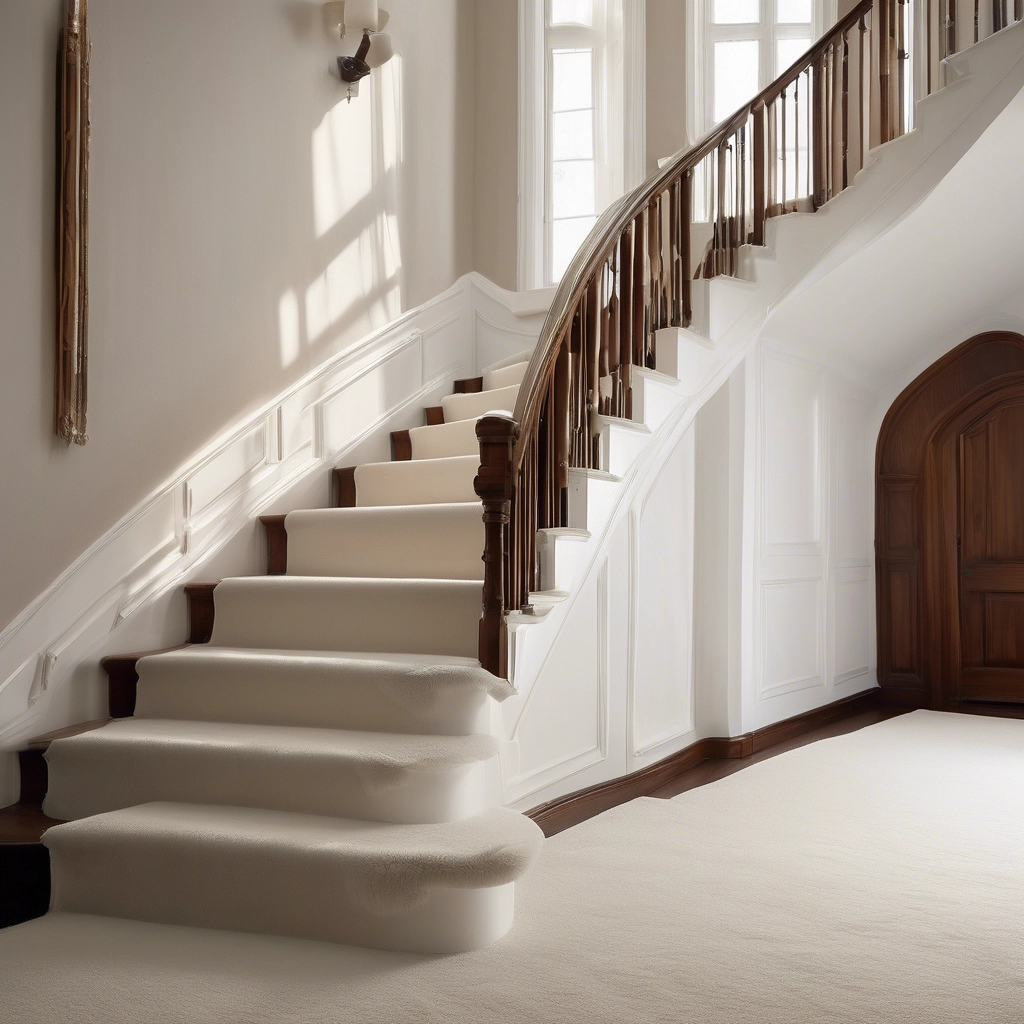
column 797, row 144
column 620, row 213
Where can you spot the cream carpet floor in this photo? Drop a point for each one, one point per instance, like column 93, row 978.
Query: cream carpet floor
column 875, row 877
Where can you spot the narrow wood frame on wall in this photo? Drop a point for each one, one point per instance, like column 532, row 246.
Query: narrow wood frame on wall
column 71, row 386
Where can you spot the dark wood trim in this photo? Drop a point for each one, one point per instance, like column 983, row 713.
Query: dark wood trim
column 556, row 815
column 344, row 487
column 277, row 544
column 401, row 446
column 200, row 611
column 34, row 777
column 123, row 679
column 435, row 415
column 779, row 732
column 916, row 514
column 24, row 879
column 560, row 814
column 468, row 386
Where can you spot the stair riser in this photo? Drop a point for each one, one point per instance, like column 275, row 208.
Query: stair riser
column 324, row 702
column 590, row 501
column 87, row 783
column 426, row 620
column 260, row 890
column 445, row 441
column 432, row 545
column 620, row 448
column 561, row 560
column 415, row 483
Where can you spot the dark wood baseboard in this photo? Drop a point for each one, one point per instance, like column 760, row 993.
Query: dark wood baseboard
column 200, row 612
column 468, row 386
column 345, row 487
column 435, row 415
column 401, row 446
column 557, row 815
column 277, row 544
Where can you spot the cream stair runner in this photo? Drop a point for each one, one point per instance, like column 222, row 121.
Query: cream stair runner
column 319, row 768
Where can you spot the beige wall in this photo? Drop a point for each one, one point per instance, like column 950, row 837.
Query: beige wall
column 245, row 224
column 666, row 79
column 496, row 165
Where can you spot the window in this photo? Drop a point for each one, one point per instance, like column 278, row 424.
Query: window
column 739, row 47
column 581, row 97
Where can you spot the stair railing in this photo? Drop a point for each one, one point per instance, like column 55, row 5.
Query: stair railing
column 792, row 148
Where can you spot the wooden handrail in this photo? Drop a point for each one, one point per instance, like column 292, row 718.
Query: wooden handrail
column 795, row 146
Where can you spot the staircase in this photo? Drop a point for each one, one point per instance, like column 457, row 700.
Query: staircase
column 313, row 763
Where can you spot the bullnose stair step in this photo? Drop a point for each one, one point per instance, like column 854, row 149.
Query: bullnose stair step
column 436, row 481
column 353, row 774
column 434, row 888
column 444, row 440
column 367, row 691
column 472, row 406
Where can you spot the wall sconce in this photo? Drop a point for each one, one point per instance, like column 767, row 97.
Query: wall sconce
column 375, row 48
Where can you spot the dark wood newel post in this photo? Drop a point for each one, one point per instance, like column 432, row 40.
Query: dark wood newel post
column 497, row 436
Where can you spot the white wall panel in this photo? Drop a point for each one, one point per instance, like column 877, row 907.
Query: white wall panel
column 792, row 472
column 792, row 636
column 663, row 646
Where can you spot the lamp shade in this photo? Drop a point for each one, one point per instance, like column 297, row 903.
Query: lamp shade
column 381, row 50
column 361, row 15
column 382, row 19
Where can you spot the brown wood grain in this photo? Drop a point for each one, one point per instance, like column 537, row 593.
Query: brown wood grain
column 468, row 386
column 401, row 446
column 918, row 499
column 277, row 544
column 435, row 415
column 200, row 611
column 345, row 487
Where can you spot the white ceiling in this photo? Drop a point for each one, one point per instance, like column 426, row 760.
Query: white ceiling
column 957, row 256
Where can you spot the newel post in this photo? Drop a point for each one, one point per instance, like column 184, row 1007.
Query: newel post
column 497, row 436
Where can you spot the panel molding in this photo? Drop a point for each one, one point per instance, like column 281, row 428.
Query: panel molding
column 213, row 497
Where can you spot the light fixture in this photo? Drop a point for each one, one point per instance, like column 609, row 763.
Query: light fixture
column 375, row 48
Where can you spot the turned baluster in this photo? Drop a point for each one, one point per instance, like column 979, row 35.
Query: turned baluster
column 846, row 110
column 493, row 485
column 757, row 237
column 625, row 259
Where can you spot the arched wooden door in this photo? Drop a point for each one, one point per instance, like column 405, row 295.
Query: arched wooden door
column 949, row 530
column 991, row 530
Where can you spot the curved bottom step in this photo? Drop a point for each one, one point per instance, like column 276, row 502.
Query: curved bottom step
column 413, row 888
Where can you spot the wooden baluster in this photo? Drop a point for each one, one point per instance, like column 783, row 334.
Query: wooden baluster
column 796, row 140
column 809, row 140
column 817, row 110
column 846, row 110
column 928, row 45
column 901, row 99
column 673, row 251
column 613, row 331
column 951, row 9
column 831, row 122
column 687, row 274
column 560, row 421
column 493, row 485
column 864, row 96
column 784, row 183
column 884, row 71
column 577, row 396
column 1018, row 10
column 639, row 248
column 977, row 18
column 626, row 322
column 744, row 238
column 593, row 315
column 720, row 267
column 759, row 175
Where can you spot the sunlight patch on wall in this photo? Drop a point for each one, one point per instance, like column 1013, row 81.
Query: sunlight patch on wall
column 356, row 160
column 289, row 330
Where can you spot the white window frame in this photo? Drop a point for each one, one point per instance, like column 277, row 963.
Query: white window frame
column 622, row 163
column 702, row 34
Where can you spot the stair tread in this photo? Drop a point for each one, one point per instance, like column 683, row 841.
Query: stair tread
column 488, row 848
column 408, row 751
column 417, row 481
column 480, row 403
column 445, row 440
column 503, row 376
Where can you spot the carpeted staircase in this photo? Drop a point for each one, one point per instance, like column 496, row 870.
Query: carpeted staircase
column 318, row 768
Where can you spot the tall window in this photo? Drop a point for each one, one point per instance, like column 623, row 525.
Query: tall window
column 581, row 99
column 747, row 45
column 581, row 58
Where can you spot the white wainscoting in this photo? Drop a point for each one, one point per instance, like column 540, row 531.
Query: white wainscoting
column 813, row 588
column 124, row 593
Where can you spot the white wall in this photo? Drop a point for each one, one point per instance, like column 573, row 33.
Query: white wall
column 246, row 224
column 811, row 612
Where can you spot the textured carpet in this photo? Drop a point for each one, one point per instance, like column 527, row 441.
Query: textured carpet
column 875, row 877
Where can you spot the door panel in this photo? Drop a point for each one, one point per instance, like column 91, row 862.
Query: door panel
column 991, row 524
